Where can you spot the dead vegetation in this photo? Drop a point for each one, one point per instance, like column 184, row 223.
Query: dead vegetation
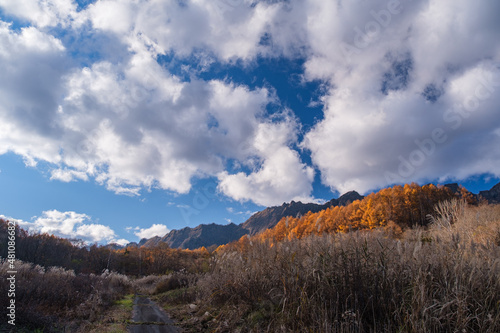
column 52, row 298
column 442, row 278
column 445, row 278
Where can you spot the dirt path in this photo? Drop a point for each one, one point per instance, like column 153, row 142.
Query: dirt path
column 148, row 317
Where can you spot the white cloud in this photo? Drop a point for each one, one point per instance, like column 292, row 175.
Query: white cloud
column 230, row 32
column 97, row 232
column 42, row 13
column 115, row 16
column 130, row 125
column 121, row 242
column 155, row 133
column 8, row 218
column 280, row 177
column 155, row 230
column 31, row 63
column 182, row 206
column 129, row 229
column 368, row 131
column 247, row 213
column 66, row 175
column 102, row 108
column 124, row 120
column 69, row 225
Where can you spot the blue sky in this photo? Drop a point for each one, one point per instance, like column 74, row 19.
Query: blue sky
column 122, row 119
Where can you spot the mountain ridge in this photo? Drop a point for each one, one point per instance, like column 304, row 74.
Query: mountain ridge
column 270, row 216
column 207, row 235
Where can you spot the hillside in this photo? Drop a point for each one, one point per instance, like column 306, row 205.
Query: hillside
column 270, row 216
column 312, row 267
column 492, row 195
column 202, row 235
column 396, row 208
column 439, row 279
column 214, row 234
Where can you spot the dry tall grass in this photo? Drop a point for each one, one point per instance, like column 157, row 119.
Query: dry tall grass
column 480, row 225
column 157, row 284
column 443, row 279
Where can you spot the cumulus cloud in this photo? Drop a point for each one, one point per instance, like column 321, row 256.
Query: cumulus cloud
column 127, row 122
column 121, row 242
column 42, row 13
column 66, row 176
column 230, row 32
column 280, row 177
column 70, row 225
column 103, row 108
column 129, row 125
column 31, row 63
column 155, row 230
column 394, row 79
column 158, row 135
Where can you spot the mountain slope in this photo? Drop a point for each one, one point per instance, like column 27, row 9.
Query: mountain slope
column 213, row 234
column 202, row 235
column 270, row 216
column 492, row 195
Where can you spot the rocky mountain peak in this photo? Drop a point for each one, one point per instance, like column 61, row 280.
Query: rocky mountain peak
column 214, row 234
column 492, row 195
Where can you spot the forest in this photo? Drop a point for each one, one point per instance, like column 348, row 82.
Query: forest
column 396, row 208
column 405, row 259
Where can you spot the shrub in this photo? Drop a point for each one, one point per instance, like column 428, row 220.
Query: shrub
column 175, row 281
column 49, row 298
column 147, row 284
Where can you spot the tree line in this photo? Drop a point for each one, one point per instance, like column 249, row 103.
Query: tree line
column 396, row 208
column 49, row 250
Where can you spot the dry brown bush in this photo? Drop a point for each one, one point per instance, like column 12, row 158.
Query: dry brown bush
column 444, row 279
column 174, row 281
column 50, row 298
column 480, row 225
column 147, row 284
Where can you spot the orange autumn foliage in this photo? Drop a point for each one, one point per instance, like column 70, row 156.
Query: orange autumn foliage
column 395, row 207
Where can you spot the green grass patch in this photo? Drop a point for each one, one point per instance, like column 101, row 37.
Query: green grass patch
column 127, row 302
column 172, row 295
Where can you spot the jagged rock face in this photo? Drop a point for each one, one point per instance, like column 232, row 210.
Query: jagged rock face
column 492, row 195
column 203, row 235
column 149, row 242
column 454, row 187
column 270, row 216
column 213, row 234
column 349, row 197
